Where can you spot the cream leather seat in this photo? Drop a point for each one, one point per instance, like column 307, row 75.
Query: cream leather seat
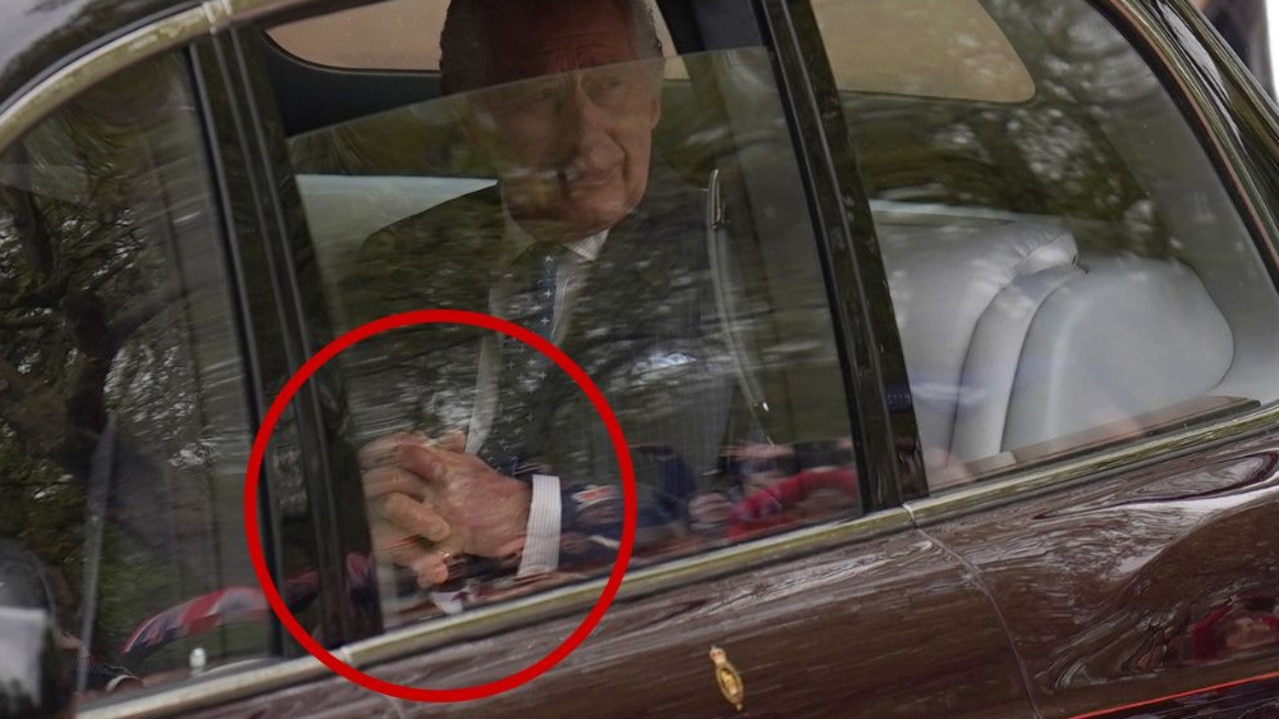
column 964, row 296
column 1010, row 339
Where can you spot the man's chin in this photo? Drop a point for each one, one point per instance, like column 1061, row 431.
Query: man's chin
column 598, row 209
column 577, row 218
column 581, row 221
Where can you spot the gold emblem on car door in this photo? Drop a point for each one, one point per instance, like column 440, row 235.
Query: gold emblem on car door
column 730, row 682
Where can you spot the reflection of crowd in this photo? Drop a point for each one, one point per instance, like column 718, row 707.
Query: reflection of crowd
column 1236, row 626
column 99, row 676
column 774, row 486
column 761, row 488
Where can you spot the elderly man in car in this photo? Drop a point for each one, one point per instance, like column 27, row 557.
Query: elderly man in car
column 587, row 240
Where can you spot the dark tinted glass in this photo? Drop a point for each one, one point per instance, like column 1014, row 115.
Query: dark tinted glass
column 123, row 430
column 675, row 262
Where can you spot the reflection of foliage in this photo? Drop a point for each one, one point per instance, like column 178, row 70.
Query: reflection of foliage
column 78, row 285
column 37, row 506
column 95, row 323
column 1056, row 154
column 400, row 141
column 1021, row 159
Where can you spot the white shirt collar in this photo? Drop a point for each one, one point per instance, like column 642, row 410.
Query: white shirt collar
column 517, row 239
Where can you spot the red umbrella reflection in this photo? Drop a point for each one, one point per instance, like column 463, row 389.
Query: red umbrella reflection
column 242, row 604
column 230, row 605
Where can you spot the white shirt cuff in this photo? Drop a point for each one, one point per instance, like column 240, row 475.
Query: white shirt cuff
column 542, row 542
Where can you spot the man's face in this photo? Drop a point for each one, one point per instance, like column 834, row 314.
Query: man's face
column 572, row 136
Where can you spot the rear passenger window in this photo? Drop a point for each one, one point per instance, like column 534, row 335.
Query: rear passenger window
column 640, row 209
column 123, row 423
column 1066, row 268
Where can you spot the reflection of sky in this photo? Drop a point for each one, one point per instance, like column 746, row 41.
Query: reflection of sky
column 20, row 655
column 41, row 18
column 343, row 210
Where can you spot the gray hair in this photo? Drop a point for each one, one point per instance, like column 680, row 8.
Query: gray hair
column 465, row 50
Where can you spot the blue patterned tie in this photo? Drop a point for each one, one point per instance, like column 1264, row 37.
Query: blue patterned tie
column 523, row 368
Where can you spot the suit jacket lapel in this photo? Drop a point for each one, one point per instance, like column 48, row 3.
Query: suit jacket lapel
column 647, row 257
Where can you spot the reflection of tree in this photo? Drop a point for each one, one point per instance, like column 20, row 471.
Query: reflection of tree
column 1055, row 154
column 93, row 324
column 73, row 294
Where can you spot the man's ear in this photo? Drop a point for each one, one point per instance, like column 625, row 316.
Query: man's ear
column 477, row 127
column 655, row 111
column 480, row 132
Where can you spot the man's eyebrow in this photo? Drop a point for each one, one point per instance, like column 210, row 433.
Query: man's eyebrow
column 593, row 37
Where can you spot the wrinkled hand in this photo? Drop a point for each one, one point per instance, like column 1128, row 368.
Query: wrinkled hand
column 429, row 501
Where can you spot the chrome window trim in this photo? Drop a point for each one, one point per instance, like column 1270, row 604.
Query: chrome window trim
column 402, row 642
column 78, row 75
column 985, row 495
column 245, row 681
column 240, row 11
column 411, row 640
column 640, row 582
column 208, row 18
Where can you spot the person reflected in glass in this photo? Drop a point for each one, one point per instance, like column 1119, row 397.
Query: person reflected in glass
column 587, row 240
column 774, row 486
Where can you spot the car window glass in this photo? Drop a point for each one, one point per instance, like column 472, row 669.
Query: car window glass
column 932, row 48
column 698, row 308
column 123, row 425
column 384, row 36
column 1068, row 271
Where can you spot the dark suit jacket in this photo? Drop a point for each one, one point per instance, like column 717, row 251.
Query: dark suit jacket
column 644, row 328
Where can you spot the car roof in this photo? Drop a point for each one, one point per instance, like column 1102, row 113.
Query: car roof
column 37, row 36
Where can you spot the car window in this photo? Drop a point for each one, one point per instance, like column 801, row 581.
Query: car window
column 384, row 36
column 123, row 424
column 1067, row 271
column 683, row 277
column 930, row 48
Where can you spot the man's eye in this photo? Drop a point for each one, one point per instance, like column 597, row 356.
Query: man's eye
column 607, row 88
column 532, row 97
column 610, row 81
column 546, row 94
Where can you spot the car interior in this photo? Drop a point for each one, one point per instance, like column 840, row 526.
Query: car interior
column 1066, row 272
column 1122, row 294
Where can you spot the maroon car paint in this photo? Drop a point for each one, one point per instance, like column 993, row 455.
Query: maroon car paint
column 1095, row 580
column 892, row 626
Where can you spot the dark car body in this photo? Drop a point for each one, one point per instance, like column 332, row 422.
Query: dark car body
column 1245, row 26
column 1081, row 575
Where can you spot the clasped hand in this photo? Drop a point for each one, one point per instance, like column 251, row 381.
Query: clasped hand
column 429, row 501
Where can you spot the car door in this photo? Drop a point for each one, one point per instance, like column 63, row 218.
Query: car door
column 837, row 607
column 128, row 393
column 1032, row 172
column 857, row 612
column 144, row 334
